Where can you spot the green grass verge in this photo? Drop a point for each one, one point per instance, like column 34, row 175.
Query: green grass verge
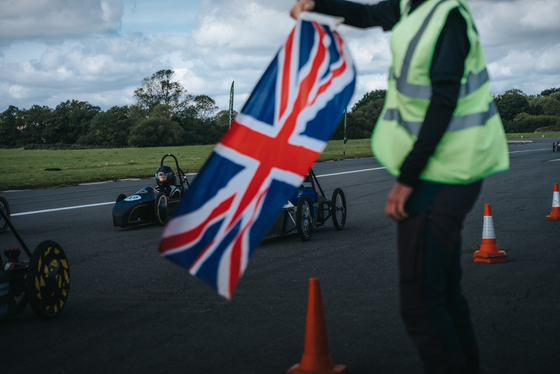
column 25, row 169
column 533, row 135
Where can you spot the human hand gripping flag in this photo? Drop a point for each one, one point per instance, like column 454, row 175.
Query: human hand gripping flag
column 271, row 146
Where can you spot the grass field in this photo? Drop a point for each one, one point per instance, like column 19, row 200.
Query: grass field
column 26, row 169
column 529, row 135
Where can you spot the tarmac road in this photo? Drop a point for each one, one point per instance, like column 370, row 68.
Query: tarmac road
column 131, row 311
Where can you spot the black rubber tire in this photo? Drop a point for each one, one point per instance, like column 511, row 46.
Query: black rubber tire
column 48, row 280
column 338, row 212
column 304, row 218
column 161, row 209
column 120, row 198
column 6, row 209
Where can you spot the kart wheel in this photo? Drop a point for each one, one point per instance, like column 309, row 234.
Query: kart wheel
column 304, row 218
column 338, row 209
column 120, row 198
column 161, row 209
column 48, row 280
column 6, row 209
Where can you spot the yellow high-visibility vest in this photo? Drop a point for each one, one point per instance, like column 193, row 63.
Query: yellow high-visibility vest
column 474, row 144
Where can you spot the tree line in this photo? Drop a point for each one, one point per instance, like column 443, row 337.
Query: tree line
column 165, row 114
column 519, row 113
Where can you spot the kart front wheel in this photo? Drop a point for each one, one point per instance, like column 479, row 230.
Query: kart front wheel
column 120, row 198
column 6, row 209
column 304, row 218
column 161, row 209
column 338, row 209
column 48, row 280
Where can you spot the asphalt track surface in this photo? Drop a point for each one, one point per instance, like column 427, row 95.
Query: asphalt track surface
column 131, row 311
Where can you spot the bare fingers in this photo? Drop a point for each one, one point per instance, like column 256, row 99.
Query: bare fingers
column 301, row 6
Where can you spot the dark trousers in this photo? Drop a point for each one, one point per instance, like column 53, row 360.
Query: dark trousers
column 434, row 310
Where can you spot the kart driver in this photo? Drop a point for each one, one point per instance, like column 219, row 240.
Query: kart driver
column 165, row 177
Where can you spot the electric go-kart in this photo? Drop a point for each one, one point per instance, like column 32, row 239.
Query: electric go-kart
column 152, row 204
column 43, row 281
column 309, row 209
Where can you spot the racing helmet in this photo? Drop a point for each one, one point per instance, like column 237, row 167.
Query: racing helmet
column 165, row 176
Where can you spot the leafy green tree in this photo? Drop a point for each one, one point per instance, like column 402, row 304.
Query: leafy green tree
column 363, row 117
column 121, row 112
column 548, row 105
column 162, row 111
column 555, row 96
column 222, row 118
column 69, row 121
column 530, row 123
column 106, row 129
column 161, row 89
column 34, row 121
column 370, row 96
column 153, row 132
column 205, row 107
column 549, row 91
column 10, row 126
column 510, row 104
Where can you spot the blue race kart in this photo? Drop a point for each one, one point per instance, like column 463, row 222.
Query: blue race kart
column 309, row 209
column 152, row 204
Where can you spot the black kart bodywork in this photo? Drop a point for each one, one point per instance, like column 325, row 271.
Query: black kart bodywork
column 43, row 281
column 149, row 205
column 304, row 217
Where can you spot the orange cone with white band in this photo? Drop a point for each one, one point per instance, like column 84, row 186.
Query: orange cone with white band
column 555, row 214
column 489, row 252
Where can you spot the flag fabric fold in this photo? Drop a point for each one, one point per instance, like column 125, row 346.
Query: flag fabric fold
column 271, row 146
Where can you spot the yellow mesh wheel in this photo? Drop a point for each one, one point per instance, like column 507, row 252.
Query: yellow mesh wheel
column 48, row 280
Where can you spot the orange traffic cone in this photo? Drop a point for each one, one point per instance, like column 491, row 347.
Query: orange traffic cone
column 489, row 252
column 316, row 357
column 555, row 214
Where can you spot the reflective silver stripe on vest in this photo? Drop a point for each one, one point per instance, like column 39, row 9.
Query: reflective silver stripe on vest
column 456, row 123
column 474, row 81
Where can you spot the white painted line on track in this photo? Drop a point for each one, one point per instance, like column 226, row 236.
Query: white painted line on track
column 318, row 176
column 112, row 202
column 531, row 150
column 349, row 172
column 58, row 209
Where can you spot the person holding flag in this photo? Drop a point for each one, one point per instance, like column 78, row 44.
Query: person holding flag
column 440, row 134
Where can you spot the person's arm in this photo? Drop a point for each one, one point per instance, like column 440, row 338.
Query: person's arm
column 384, row 14
column 446, row 72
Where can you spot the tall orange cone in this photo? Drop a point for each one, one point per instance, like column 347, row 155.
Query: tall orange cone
column 555, row 214
column 489, row 252
column 316, row 357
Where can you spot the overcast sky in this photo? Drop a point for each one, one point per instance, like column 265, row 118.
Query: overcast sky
column 100, row 50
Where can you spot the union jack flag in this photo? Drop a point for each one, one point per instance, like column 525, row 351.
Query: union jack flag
column 271, row 146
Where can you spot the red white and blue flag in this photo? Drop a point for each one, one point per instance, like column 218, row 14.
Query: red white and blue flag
column 271, row 146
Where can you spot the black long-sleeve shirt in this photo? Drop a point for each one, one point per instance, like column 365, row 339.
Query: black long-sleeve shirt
column 446, row 70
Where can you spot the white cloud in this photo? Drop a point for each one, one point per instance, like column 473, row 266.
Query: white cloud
column 56, row 50
column 241, row 24
column 45, row 19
